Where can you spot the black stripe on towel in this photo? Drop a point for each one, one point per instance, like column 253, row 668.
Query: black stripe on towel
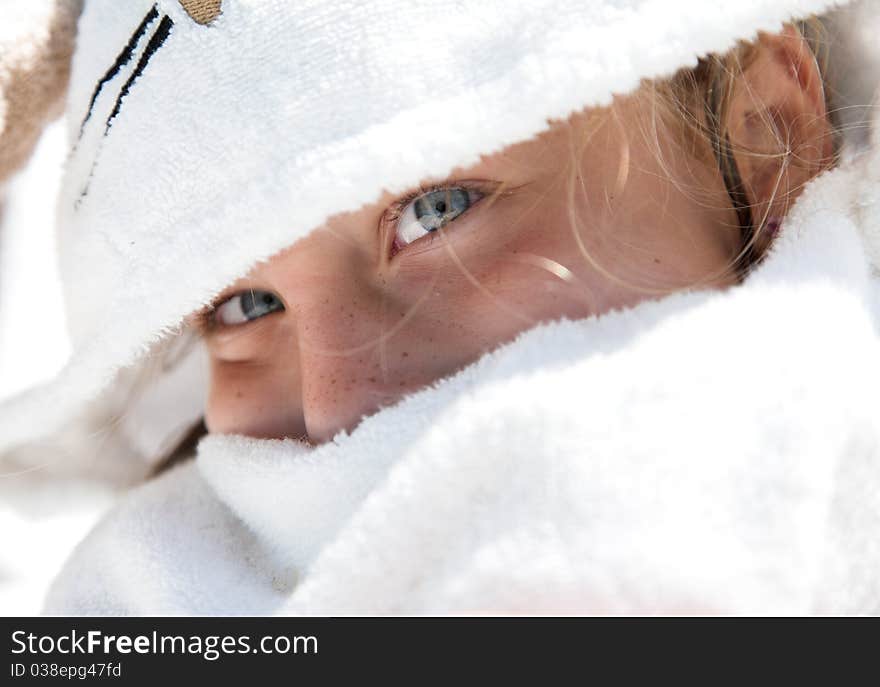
column 121, row 60
column 156, row 41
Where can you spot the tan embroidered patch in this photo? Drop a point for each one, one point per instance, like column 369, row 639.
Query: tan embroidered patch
column 202, row 11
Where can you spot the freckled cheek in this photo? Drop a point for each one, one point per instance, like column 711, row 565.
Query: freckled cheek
column 365, row 368
column 366, row 354
column 532, row 266
column 447, row 326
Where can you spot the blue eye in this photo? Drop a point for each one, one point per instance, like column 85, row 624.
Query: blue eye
column 431, row 211
column 246, row 306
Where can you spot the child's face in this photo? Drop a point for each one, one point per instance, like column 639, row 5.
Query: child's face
column 374, row 304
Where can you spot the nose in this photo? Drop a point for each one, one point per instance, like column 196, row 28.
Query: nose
column 351, row 351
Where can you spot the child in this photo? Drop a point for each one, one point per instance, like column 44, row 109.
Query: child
column 556, row 369
column 589, row 216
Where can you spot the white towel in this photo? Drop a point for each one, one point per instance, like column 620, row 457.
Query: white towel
column 707, row 452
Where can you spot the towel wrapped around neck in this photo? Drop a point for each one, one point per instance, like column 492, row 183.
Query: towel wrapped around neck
column 705, row 452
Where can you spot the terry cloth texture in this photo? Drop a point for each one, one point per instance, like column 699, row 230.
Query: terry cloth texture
column 186, row 138
column 707, row 452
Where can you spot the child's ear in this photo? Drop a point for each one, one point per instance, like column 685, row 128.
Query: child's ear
column 777, row 123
